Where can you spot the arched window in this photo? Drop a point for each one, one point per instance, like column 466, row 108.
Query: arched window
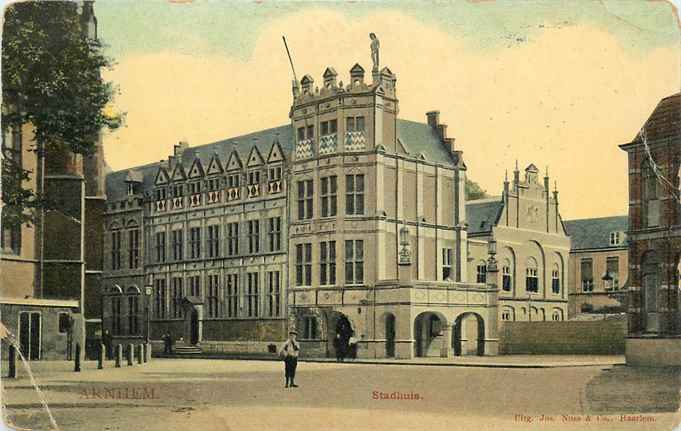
column 555, row 279
column 134, row 311
column 506, row 276
column 557, row 315
column 531, row 276
column 481, row 276
column 116, row 315
column 508, row 314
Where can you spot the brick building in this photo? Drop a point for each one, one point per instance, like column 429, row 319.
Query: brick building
column 50, row 268
column 347, row 220
column 654, row 159
column 598, row 247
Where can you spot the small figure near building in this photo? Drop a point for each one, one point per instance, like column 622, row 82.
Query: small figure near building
column 289, row 352
column 108, row 345
column 352, row 346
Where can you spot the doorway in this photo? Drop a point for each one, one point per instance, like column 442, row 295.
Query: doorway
column 194, row 327
column 29, row 334
column 390, row 336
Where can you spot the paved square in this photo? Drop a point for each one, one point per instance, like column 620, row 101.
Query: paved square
column 178, row 394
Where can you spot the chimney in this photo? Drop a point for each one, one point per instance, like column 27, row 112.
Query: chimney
column 442, row 131
column 433, row 118
column 450, row 143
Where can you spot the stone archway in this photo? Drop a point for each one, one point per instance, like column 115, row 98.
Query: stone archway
column 468, row 337
column 389, row 328
column 429, row 330
column 337, row 325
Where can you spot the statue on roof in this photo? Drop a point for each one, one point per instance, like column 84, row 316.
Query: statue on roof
column 374, row 50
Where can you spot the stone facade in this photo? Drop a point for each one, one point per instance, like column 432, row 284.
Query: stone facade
column 599, row 247
column 369, row 221
column 654, row 163
column 532, row 248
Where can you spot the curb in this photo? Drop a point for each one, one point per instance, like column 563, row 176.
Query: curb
column 398, row 362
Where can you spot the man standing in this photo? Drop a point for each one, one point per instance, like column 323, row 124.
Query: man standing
column 289, row 351
column 107, row 341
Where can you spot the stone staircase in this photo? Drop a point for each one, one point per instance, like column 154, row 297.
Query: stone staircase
column 186, row 350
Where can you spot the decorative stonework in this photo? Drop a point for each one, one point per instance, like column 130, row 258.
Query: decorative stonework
column 355, row 141
column 328, row 144
column 304, row 149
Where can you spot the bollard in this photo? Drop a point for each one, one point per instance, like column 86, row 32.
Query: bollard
column 119, row 355
column 140, row 354
column 12, row 356
column 76, row 367
column 130, row 352
column 148, row 352
column 100, row 357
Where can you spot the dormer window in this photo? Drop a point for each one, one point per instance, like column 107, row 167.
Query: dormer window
column 233, row 180
column 178, row 190
column 213, row 184
column 160, row 194
column 194, row 188
column 253, row 178
column 275, row 173
column 616, row 238
column 131, row 189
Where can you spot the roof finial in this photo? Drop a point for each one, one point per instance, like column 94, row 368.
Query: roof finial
column 506, row 175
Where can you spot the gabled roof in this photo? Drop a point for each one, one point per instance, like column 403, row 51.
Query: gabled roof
column 594, row 233
column 330, row 72
column 482, row 215
column 420, row 138
column 665, row 121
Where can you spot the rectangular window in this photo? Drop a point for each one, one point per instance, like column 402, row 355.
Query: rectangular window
column 214, row 241
column 213, row 295
column 354, row 194
column 213, row 184
column 252, row 295
column 328, row 195
column 116, row 250
column 233, row 180
column 160, row 247
column 274, row 174
column 176, row 297
column 327, row 263
column 506, row 278
column 447, row 254
column 178, row 246
column 304, row 199
column 253, row 178
column 195, row 243
column 253, row 236
column 587, row 275
column 133, row 315
column 233, row 239
column 160, row 297
column 274, row 233
column 178, row 190
column 160, row 194
column 134, row 248
column 310, row 132
column 273, row 293
column 301, row 134
column 232, row 295
column 329, row 127
column 194, row 188
column 304, row 264
column 354, row 124
column 116, row 315
column 311, row 328
column 354, row 262
column 612, row 267
column 481, row 273
column 194, row 286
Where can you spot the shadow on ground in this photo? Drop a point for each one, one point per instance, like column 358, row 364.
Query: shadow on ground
column 623, row 389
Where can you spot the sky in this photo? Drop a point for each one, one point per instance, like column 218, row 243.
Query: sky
column 557, row 84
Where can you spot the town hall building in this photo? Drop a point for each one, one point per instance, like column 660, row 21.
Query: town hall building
column 349, row 221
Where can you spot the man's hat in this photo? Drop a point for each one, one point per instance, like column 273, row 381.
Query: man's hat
column 292, row 332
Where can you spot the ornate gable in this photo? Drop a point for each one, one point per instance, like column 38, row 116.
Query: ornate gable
column 276, row 153
column 254, row 158
column 161, row 177
column 234, row 162
column 215, row 166
column 178, row 173
column 196, row 171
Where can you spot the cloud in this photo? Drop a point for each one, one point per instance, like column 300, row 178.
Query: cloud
column 564, row 98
